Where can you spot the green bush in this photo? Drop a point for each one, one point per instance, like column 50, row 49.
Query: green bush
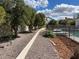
column 49, row 34
column 5, row 30
column 5, row 33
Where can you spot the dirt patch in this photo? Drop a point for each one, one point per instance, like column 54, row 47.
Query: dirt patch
column 65, row 46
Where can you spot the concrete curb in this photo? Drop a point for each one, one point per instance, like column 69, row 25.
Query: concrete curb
column 52, row 42
column 55, row 49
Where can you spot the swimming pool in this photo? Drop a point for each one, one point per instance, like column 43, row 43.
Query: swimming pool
column 75, row 33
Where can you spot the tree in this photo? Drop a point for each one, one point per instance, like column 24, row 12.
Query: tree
column 52, row 22
column 5, row 28
column 19, row 14
column 16, row 13
column 71, row 25
column 63, row 22
column 8, row 5
column 15, row 10
column 28, row 17
column 71, row 22
column 39, row 20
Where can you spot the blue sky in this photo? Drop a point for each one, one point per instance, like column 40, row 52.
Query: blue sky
column 57, row 9
column 53, row 3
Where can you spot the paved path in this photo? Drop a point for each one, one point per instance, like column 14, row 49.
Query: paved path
column 42, row 49
column 28, row 46
column 12, row 50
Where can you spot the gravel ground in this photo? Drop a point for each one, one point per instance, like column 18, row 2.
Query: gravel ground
column 13, row 48
column 42, row 49
column 65, row 46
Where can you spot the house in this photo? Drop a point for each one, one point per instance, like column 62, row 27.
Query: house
column 77, row 23
column 76, row 18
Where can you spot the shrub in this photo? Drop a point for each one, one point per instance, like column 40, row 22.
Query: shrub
column 5, row 33
column 5, row 30
column 49, row 34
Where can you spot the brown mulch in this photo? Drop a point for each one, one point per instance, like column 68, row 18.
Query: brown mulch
column 65, row 46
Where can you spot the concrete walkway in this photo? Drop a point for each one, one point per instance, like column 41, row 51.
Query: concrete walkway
column 42, row 49
column 12, row 49
column 28, row 46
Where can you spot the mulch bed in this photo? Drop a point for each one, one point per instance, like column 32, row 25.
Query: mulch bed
column 65, row 47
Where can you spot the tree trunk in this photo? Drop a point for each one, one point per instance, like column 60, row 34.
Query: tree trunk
column 15, row 31
column 35, row 28
column 30, row 28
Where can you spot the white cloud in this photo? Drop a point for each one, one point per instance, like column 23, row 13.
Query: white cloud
column 61, row 11
column 36, row 3
column 43, row 3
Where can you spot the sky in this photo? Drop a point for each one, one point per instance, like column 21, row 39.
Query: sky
column 56, row 9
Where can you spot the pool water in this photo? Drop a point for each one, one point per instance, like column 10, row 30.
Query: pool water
column 75, row 33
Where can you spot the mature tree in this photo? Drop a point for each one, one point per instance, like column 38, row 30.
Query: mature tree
column 14, row 8
column 71, row 22
column 39, row 20
column 62, row 22
column 28, row 17
column 16, row 14
column 8, row 5
column 52, row 22
column 5, row 28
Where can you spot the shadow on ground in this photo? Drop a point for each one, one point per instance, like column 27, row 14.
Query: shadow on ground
column 24, row 32
column 8, row 38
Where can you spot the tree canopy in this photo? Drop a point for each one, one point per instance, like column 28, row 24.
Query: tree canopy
column 39, row 20
column 62, row 22
column 2, row 15
column 17, row 13
column 52, row 22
